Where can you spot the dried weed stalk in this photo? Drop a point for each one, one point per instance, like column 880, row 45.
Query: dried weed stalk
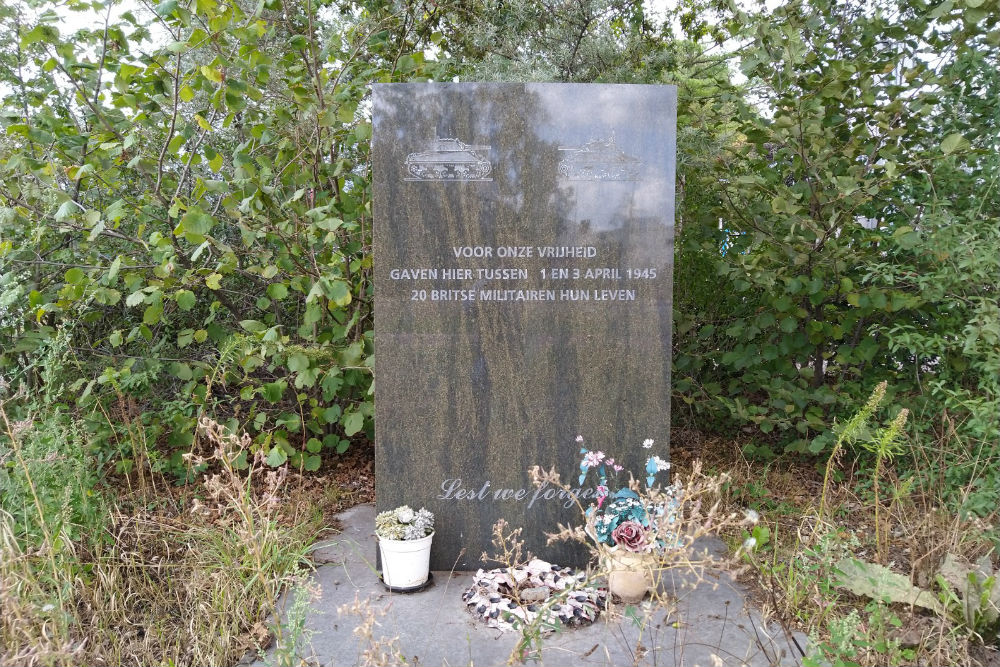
column 376, row 651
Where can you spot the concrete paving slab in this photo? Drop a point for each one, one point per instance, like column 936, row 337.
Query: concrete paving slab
column 709, row 624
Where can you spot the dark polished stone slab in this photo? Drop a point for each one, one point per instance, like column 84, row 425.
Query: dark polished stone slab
column 523, row 277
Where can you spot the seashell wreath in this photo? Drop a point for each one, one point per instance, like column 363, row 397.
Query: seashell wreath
column 505, row 596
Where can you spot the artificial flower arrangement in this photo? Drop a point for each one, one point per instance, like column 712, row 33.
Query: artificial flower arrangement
column 403, row 523
column 621, row 519
column 637, row 531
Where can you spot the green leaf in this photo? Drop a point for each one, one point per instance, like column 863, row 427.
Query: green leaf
column 816, row 445
column 181, row 371
column 288, row 420
column 789, row 324
column 339, row 293
column 135, row 298
column 206, row 7
column 353, row 421
column 166, row 8
column 175, row 144
column 783, row 303
column 185, row 299
column 346, row 112
column 114, row 269
column 297, row 362
column 253, row 326
column 196, row 221
column 906, row 237
column 273, row 391
column 277, row 291
column 331, row 384
column 184, row 337
column 306, row 378
column 312, row 463
column 66, row 210
column 882, row 584
column 116, row 211
column 74, row 276
column 213, row 75
column 152, row 314
column 314, row 445
column 953, row 142
column 213, row 281
column 276, row 457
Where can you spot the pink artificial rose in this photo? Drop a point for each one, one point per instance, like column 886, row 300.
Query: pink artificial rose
column 631, row 536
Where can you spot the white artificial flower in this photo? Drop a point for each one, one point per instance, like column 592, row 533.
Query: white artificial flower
column 404, row 514
column 647, row 443
column 661, row 465
column 749, row 543
column 752, row 516
column 579, row 438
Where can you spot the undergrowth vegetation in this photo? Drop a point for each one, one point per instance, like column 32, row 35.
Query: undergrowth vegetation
column 871, row 563
column 145, row 576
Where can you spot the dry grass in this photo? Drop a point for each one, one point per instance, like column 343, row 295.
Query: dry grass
column 158, row 578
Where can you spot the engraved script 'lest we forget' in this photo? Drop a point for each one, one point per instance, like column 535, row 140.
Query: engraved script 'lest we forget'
column 452, row 489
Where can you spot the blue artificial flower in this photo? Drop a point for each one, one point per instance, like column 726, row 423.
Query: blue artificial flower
column 651, row 470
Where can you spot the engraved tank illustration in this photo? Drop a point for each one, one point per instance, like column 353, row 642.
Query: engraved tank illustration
column 448, row 160
column 599, row 160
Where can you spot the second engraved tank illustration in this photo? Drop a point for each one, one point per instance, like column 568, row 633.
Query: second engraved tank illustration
column 449, row 160
column 598, row 160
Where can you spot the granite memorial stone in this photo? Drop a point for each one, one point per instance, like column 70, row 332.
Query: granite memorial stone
column 523, row 278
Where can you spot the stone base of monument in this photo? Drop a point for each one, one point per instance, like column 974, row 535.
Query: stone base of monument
column 708, row 622
column 520, row 595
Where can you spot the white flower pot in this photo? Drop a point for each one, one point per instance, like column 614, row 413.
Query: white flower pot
column 405, row 563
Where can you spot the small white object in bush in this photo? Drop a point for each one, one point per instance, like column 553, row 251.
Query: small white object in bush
column 403, row 523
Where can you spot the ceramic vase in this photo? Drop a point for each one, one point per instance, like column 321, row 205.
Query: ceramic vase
column 630, row 575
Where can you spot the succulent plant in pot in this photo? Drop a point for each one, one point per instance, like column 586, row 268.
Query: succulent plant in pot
column 404, row 542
